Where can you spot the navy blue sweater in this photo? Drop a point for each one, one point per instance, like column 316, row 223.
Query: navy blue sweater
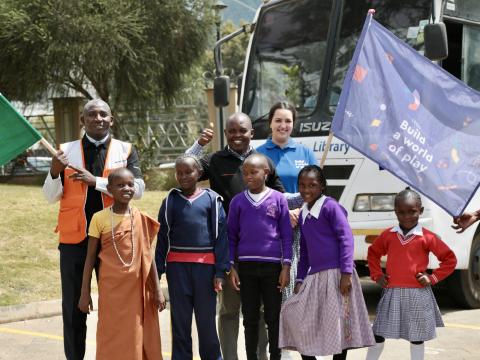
column 193, row 226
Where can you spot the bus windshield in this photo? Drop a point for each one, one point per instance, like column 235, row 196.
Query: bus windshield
column 301, row 51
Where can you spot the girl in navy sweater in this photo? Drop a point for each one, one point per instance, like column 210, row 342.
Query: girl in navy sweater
column 192, row 249
column 260, row 237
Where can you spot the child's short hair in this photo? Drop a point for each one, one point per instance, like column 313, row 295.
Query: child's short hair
column 257, row 156
column 318, row 172
column 183, row 157
column 118, row 173
column 408, row 194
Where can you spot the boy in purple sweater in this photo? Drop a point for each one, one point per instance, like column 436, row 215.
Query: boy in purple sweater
column 260, row 237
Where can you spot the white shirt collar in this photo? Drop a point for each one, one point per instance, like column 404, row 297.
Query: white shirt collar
column 259, row 196
column 243, row 156
column 315, row 210
column 97, row 142
column 417, row 230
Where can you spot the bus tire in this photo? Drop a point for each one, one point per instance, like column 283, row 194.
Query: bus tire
column 464, row 285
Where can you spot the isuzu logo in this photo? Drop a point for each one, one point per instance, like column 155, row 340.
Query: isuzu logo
column 317, row 126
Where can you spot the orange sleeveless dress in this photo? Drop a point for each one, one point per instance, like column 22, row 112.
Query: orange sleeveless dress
column 128, row 326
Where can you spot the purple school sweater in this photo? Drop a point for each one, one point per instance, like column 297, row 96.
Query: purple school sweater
column 326, row 240
column 260, row 231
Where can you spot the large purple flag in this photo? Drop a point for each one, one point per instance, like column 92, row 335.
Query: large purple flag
column 412, row 118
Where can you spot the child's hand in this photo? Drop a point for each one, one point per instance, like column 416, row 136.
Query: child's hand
column 284, row 278
column 345, row 284
column 294, row 217
column 160, row 300
column 85, row 303
column 298, row 285
column 423, row 279
column 383, row 280
column 218, row 284
column 234, row 279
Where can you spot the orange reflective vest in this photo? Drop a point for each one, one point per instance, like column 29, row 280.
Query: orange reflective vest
column 72, row 221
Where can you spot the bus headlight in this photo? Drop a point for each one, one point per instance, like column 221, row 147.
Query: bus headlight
column 374, row 202
column 362, row 203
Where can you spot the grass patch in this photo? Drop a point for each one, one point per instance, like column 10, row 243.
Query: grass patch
column 29, row 266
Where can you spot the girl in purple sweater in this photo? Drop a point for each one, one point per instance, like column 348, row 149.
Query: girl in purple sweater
column 260, row 237
column 328, row 314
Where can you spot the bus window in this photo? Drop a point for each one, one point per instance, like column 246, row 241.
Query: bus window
column 406, row 19
column 453, row 63
column 294, row 58
column 286, row 59
column 471, row 56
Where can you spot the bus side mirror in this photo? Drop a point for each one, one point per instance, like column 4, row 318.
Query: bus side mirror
column 221, row 91
column 436, row 44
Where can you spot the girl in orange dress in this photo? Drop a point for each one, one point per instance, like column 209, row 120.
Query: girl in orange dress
column 129, row 294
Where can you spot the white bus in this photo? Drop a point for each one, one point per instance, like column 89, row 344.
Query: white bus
column 299, row 52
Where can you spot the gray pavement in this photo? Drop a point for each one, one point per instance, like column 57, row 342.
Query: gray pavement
column 41, row 338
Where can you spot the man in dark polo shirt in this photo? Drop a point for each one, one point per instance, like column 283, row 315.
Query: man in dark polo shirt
column 224, row 168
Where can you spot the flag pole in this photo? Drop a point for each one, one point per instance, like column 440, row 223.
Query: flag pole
column 48, row 146
column 326, row 149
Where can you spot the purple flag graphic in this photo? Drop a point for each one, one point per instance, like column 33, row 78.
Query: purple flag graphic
column 412, row 118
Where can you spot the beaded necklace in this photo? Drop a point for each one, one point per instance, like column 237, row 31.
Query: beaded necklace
column 125, row 264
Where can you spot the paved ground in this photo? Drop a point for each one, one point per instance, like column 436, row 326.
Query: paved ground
column 41, row 339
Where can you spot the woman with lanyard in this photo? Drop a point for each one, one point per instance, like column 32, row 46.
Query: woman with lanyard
column 289, row 158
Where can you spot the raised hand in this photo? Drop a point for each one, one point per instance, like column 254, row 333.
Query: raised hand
column 205, row 137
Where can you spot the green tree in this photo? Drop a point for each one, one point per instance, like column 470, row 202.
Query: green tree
column 128, row 51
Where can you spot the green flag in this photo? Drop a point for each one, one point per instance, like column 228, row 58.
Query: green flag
column 16, row 133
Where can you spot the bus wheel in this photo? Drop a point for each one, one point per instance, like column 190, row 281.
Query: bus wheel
column 464, row 285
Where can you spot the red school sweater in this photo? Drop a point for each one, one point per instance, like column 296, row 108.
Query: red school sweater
column 406, row 257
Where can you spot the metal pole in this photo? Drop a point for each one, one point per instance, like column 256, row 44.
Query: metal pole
column 221, row 130
column 219, row 58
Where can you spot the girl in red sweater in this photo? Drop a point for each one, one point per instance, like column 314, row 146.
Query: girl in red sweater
column 407, row 309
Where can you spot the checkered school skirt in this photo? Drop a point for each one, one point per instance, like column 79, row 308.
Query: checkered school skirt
column 320, row 321
column 407, row 313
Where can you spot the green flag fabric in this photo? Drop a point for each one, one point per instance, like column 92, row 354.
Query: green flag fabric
column 16, row 133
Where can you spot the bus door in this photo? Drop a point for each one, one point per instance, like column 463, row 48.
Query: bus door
column 463, row 60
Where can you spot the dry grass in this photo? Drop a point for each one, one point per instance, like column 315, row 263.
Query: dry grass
column 29, row 269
